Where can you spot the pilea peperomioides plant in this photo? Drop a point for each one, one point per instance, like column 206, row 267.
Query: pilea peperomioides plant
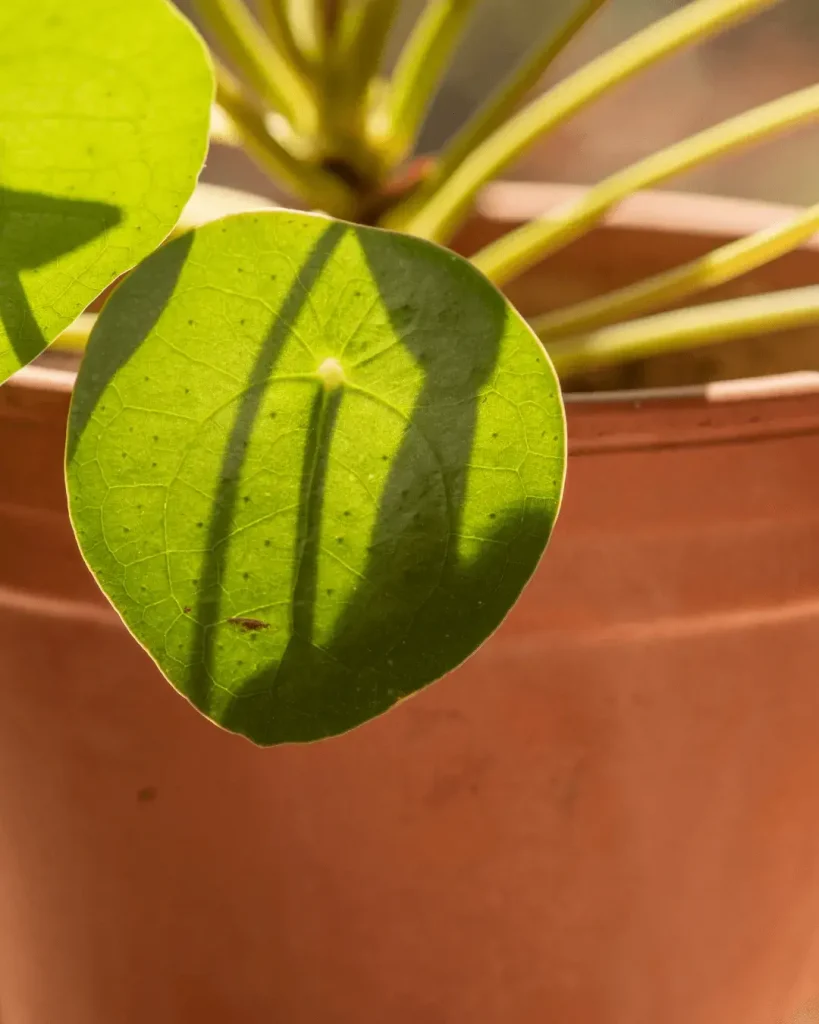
column 313, row 458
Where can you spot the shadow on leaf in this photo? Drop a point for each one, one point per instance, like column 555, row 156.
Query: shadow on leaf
column 36, row 230
column 390, row 639
column 208, row 612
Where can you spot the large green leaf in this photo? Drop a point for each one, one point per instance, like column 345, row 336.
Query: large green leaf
column 104, row 111
column 312, row 465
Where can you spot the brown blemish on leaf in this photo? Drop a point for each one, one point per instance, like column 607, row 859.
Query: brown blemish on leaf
column 249, row 625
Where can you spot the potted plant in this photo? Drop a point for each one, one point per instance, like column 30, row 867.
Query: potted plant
column 312, row 463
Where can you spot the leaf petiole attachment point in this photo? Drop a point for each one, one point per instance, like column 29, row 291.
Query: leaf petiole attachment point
column 331, row 374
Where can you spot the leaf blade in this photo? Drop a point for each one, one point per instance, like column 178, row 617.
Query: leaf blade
column 344, row 437
column 104, row 115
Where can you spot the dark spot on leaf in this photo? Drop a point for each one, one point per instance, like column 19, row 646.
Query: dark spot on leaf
column 200, row 525
column 146, row 794
column 267, row 543
column 153, row 465
column 242, row 322
column 248, row 625
column 245, row 575
column 339, row 540
column 187, row 609
column 190, row 323
column 346, row 512
column 246, row 498
column 330, row 591
column 492, row 515
column 495, row 434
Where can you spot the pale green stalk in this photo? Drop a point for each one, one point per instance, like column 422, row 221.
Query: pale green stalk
column 686, row 329
column 503, row 102
column 304, row 21
column 446, row 207
column 275, row 19
column 520, row 249
column 319, row 188
column 266, row 69
column 420, row 68
column 724, row 264
column 348, row 74
column 363, row 36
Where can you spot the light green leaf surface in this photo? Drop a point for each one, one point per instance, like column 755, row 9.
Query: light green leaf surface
column 104, row 114
column 312, row 465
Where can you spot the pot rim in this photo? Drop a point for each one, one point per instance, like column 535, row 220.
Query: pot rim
column 657, row 210
column 654, row 211
column 781, row 385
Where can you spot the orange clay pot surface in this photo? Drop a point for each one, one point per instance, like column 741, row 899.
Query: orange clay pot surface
column 607, row 816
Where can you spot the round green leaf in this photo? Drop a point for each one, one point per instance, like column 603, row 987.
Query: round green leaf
column 312, row 465
column 104, row 113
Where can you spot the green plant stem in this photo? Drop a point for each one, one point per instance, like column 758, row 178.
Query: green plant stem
column 222, row 130
column 724, row 264
column 315, row 185
column 686, row 329
column 445, row 208
column 520, row 249
column 420, row 69
column 363, row 36
column 75, row 337
column 267, row 70
column 274, row 17
column 353, row 55
column 503, row 103
column 304, row 20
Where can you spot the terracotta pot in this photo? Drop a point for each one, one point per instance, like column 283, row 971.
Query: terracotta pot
column 608, row 815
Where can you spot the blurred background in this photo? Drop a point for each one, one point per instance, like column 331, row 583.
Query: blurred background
column 772, row 54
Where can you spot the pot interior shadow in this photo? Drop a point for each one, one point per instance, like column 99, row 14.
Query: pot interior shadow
column 35, row 230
